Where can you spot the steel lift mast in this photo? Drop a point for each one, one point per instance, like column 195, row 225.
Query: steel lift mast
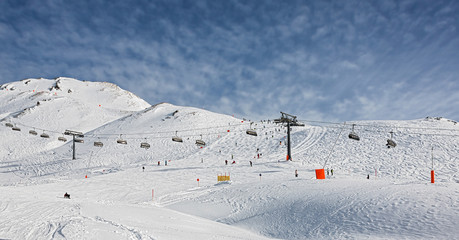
column 291, row 121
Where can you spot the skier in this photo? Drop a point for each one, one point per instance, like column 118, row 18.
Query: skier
column 159, row 163
column 165, row 162
column 143, row 169
column 234, row 162
column 250, row 163
column 368, row 176
column 296, row 173
column 331, row 171
column 66, row 195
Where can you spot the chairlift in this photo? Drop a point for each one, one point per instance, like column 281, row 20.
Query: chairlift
column 98, row 144
column 353, row 135
column 9, row 125
column 33, row 132
column 79, row 140
column 16, row 129
column 177, row 138
column 63, row 139
column 251, row 131
column 391, row 143
column 200, row 142
column 121, row 140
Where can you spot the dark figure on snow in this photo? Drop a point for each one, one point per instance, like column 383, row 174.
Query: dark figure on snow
column 296, row 173
column 226, row 162
column 331, row 171
column 143, row 169
column 250, row 163
column 66, row 195
column 368, row 176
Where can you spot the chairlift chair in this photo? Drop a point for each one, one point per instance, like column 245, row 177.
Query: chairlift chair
column 63, row 139
column 44, row 135
column 391, row 143
column 121, row 140
column 78, row 140
column 145, row 145
column 9, row 125
column 33, row 132
column 98, row 144
column 297, row 124
column 16, row 129
column 200, row 142
column 177, row 138
column 353, row 135
column 251, row 131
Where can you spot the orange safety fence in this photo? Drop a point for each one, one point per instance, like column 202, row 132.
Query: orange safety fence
column 320, row 173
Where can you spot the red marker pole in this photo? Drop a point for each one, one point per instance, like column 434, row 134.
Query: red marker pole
column 152, row 194
column 432, row 173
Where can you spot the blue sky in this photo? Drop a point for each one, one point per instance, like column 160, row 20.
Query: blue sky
column 319, row 60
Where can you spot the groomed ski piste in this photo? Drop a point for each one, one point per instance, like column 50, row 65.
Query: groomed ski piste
column 113, row 197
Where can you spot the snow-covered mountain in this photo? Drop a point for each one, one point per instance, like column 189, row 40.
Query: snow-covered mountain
column 279, row 206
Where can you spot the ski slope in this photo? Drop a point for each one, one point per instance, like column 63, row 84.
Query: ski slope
column 112, row 197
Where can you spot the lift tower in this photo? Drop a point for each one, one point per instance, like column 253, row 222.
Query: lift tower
column 291, row 121
column 74, row 134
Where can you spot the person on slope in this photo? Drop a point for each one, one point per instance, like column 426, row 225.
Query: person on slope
column 66, row 195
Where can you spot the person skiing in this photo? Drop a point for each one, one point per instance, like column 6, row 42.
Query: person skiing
column 143, row 169
column 331, row 171
column 226, row 162
column 368, row 176
column 296, row 173
column 250, row 163
column 66, row 195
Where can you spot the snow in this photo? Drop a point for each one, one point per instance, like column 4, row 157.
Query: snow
column 113, row 198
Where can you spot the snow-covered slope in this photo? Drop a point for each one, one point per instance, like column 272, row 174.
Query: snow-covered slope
column 52, row 106
column 119, row 200
column 65, row 103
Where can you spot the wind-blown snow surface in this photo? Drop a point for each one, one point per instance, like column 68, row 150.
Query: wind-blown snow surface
column 118, row 200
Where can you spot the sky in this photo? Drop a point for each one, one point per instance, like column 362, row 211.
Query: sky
column 318, row 60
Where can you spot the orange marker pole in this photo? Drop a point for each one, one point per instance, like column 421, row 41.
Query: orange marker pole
column 432, row 176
